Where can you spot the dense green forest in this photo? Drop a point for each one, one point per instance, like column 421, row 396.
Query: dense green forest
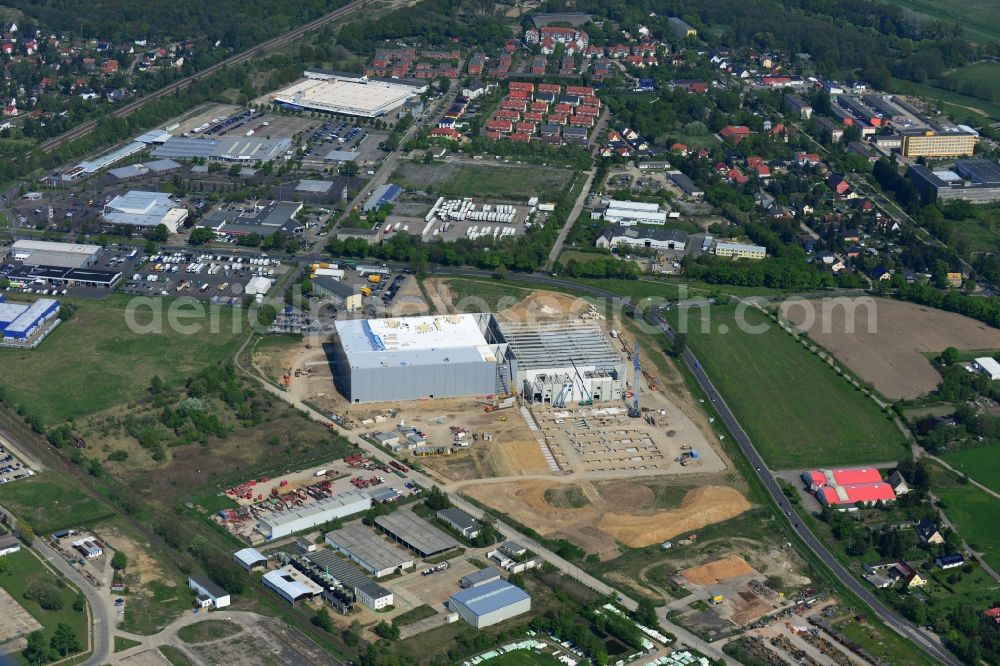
column 237, row 24
column 876, row 39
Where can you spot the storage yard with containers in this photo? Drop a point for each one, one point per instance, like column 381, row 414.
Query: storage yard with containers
column 273, row 508
column 450, row 219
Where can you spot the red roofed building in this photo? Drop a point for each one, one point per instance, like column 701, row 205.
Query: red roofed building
column 738, row 132
column 549, row 87
column 581, row 121
column 444, row 133
column 848, row 486
column 499, row 126
column 526, row 127
column 517, row 85
column 557, row 118
column 583, row 91
column 519, row 94
column 839, row 184
column 679, row 148
column 534, row 116
column 993, row 614
column 737, row 176
column 520, row 136
column 514, row 105
column 540, row 107
column 563, row 108
column 590, row 100
column 763, row 171
column 591, row 111
column 811, row 159
column 754, row 161
column 506, row 114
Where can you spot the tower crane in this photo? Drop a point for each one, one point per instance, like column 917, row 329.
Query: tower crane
column 633, row 409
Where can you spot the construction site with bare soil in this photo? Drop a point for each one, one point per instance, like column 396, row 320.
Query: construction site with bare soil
column 539, row 411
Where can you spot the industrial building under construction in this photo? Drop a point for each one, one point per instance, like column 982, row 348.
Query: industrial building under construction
column 416, row 358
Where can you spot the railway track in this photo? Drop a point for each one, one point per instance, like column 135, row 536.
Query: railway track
column 239, row 58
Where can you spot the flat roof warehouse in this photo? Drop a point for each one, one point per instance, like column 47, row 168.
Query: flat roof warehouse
column 346, row 94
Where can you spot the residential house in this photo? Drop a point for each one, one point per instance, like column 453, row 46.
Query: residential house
column 950, row 561
column 928, row 532
column 898, row 483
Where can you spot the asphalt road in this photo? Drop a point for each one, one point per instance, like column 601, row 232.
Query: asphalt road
column 100, row 604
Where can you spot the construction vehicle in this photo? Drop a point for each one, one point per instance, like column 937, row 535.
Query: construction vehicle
column 559, row 401
column 506, row 403
column 587, row 399
column 375, row 278
column 633, row 410
column 366, row 291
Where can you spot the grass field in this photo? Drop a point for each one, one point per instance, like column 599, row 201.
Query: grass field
column 485, row 179
column 978, row 18
column 525, row 658
column 95, row 360
column 50, row 504
column 972, row 511
column 495, row 294
column 208, row 630
column 982, row 464
column 21, row 569
column 174, row 655
column 122, row 643
column 414, row 615
column 959, row 106
column 798, row 411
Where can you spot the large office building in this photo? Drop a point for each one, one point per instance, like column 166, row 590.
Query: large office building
column 488, row 604
column 143, row 211
column 346, row 94
column 48, row 253
column 413, row 358
column 628, row 213
column 656, row 238
column 371, row 552
column 973, row 180
column 740, row 250
column 282, row 523
column 929, row 143
column 21, row 322
column 231, row 149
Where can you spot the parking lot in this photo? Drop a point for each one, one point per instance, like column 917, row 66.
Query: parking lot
column 332, row 135
column 11, row 468
column 221, row 278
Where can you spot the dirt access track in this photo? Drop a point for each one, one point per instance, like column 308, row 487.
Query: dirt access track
column 882, row 341
column 617, row 512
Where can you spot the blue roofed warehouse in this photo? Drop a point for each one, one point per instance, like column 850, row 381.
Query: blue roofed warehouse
column 489, row 604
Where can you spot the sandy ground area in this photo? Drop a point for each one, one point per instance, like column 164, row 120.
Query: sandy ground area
column 543, row 306
column 888, row 353
column 615, row 513
column 717, row 571
column 702, row 506
column 141, row 567
column 409, row 300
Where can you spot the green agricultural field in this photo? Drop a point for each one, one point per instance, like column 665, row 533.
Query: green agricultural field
column 982, row 464
column 49, row 504
column 978, row 18
column 972, row 511
column 23, row 570
column 484, row 179
column 796, row 409
column 94, row 360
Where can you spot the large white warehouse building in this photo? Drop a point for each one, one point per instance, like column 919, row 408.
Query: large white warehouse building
column 282, row 523
column 346, row 94
column 416, row 358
